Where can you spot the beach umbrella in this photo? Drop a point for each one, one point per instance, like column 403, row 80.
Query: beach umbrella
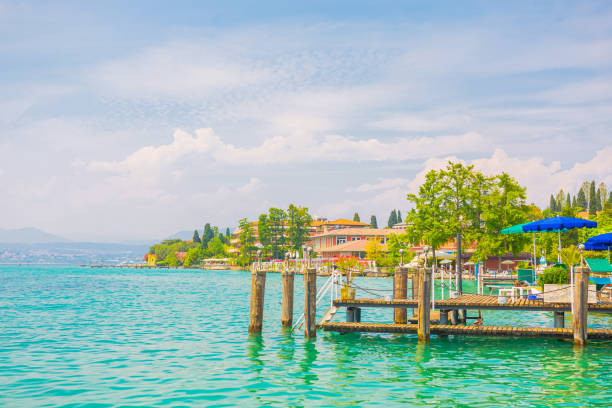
column 599, row 243
column 558, row 224
column 518, row 229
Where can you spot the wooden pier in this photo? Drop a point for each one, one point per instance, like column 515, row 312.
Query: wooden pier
column 432, row 316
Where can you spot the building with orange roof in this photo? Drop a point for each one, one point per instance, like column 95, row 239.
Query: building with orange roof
column 331, row 243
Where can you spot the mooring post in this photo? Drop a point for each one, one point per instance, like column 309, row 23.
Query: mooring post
column 424, row 303
column 559, row 320
column 310, row 302
column 288, row 278
column 400, row 291
column 581, row 297
column 258, row 287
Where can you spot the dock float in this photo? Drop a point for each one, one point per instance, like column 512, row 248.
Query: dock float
column 475, row 302
column 446, row 329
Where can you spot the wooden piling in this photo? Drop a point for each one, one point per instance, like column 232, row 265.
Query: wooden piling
column 288, row 278
column 310, row 302
column 581, row 296
column 258, row 288
column 443, row 316
column 559, row 320
column 424, row 304
column 400, row 291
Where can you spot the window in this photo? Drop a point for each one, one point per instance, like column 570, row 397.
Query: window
column 340, row 240
column 355, row 238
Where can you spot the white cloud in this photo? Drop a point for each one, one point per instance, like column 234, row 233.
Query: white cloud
column 299, row 148
column 539, row 177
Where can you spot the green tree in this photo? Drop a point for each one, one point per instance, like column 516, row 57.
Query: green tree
column 592, row 199
column 207, row 235
column 581, row 200
column 193, row 257
column 427, row 222
column 247, row 241
column 373, row 223
column 552, row 205
column 505, row 206
column 263, row 233
column 196, row 237
column 298, row 224
column 399, row 216
column 227, row 232
column 277, row 221
column 172, row 259
column 216, row 249
column 568, row 202
column 574, row 204
column 356, row 217
column 392, row 219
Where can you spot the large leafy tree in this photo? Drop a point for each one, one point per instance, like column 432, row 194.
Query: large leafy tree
column 247, row 240
column 277, row 221
column 427, row 222
column 263, row 232
column 504, row 206
column 298, row 224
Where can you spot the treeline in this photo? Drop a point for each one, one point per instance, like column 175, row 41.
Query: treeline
column 394, row 218
column 276, row 232
column 212, row 243
column 589, row 198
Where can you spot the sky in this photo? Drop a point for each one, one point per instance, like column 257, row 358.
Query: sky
column 134, row 120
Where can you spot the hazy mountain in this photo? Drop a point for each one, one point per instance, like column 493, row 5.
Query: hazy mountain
column 28, row 236
column 184, row 235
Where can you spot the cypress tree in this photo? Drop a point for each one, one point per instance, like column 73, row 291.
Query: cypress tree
column 373, row 222
column 227, row 232
column 581, row 200
column 399, row 216
column 574, row 201
column 553, row 205
column 592, row 199
column 598, row 200
column 196, row 237
column 392, row 219
column 568, row 202
column 356, row 217
column 207, row 235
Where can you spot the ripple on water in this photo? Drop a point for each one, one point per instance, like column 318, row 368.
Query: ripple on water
column 108, row 337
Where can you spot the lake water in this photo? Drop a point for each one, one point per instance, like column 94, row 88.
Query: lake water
column 125, row 337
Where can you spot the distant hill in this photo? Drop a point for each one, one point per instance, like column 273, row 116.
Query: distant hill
column 184, row 235
column 28, row 236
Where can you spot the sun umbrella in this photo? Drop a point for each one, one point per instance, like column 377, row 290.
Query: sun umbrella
column 599, row 243
column 558, row 224
column 518, row 229
column 445, row 261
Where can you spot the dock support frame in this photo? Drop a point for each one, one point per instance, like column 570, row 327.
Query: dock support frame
column 424, row 305
column 258, row 288
column 581, row 296
column 310, row 302
column 400, row 291
column 288, row 278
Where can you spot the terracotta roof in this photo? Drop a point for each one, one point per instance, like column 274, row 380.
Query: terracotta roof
column 316, row 223
column 370, row 232
column 351, row 246
column 344, row 221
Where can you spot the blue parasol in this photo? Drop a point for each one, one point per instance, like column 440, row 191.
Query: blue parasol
column 558, row 224
column 600, row 242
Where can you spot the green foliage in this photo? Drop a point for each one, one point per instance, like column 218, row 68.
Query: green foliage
column 196, row 237
column 356, row 217
column 207, row 235
column 215, row 248
column 570, row 256
column 227, row 233
column 277, row 226
column 552, row 205
column 373, row 223
column 172, row 260
column 298, row 224
column 554, row 275
column 581, row 200
column 399, row 216
column 392, row 219
column 193, row 257
column 592, row 199
column 247, row 242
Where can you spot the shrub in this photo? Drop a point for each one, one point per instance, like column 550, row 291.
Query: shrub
column 557, row 274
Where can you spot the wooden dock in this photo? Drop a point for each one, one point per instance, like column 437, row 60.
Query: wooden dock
column 494, row 331
column 475, row 302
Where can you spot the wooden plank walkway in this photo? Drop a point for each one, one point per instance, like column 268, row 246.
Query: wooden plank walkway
column 475, row 302
column 493, row 331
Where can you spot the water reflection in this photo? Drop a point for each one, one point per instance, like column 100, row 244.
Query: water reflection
column 306, row 365
column 286, row 349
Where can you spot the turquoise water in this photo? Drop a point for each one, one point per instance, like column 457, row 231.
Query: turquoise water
column 124, row 337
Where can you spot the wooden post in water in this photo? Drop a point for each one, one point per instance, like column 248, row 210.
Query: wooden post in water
column 400, row 291
column 424, row 303
column 559, row 320
column 581, row 297
column 288, row 278
column 310, row 302
column 258, row 287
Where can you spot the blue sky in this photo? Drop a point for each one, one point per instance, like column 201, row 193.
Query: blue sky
column 134, row 120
